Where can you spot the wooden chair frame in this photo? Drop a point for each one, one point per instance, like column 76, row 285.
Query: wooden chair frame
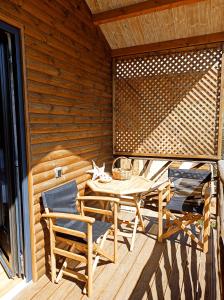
column 87, row 249
column 181, row 222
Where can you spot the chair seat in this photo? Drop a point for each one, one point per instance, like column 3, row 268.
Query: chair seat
column 183, row 204
column 99, row 228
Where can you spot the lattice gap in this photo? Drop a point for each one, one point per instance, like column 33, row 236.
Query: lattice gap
column 168, row 104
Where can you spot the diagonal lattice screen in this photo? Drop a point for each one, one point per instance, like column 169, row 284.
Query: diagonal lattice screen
column 168, row 104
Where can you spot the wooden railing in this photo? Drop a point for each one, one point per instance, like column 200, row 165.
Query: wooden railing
column 220, row 223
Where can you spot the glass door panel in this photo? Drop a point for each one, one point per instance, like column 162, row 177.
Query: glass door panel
column 10, row 210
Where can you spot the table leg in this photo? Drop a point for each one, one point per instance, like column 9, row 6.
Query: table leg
column 134, row 232
column 138, row 208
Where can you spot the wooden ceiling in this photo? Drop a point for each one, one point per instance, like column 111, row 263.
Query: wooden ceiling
column 157, row 25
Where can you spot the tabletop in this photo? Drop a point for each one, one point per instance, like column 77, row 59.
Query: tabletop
column 135, row 185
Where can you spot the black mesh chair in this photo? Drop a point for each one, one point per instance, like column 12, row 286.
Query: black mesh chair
column 84, row 235
column 190, row 203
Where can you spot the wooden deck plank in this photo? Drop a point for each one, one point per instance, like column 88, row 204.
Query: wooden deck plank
column 122, row 271
column 66, row 285
column 163, row 273
column 103, row 269
column 207, row 278
column 190, row 284
column 141, row 290
column 48, row 291
column 33, row 289
column 173, row 289
column 174, row 267
column 127, row 287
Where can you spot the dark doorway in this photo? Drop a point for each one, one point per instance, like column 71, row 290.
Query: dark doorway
column 12, row 147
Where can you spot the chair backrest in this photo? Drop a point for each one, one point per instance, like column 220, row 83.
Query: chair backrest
column 188, row 181
column 200, row 175
column 61, row 199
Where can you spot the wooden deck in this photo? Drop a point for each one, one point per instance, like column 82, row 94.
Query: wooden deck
column 174, row 269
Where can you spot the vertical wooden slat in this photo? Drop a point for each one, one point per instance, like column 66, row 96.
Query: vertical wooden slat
column 221, row 110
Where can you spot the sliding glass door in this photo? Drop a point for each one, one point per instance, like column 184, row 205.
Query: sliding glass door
column 11, row 247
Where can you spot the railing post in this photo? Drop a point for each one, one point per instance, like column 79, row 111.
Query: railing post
column 220, row 223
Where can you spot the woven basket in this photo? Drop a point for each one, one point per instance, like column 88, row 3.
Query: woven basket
column 121, row 173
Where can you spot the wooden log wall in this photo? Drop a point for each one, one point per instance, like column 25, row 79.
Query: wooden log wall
column 69, row 92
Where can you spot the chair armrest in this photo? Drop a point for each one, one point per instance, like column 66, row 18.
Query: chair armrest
column 163, row 186
column 69, row 217
column 99, row 198
column 106, row 211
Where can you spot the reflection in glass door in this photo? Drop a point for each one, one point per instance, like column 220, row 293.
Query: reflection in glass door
column 4, row 203
column 10, row 200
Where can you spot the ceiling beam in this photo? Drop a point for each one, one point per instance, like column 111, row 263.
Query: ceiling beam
column 138, row 9
column 168, row 45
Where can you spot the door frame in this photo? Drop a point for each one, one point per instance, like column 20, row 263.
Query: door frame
column 16, row 30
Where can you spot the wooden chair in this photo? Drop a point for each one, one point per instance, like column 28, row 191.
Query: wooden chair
column 84, row 235
column 149, row 169
column 189, row 204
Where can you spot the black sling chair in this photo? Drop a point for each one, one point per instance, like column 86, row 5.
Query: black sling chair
column 84, row 235
column 189, row 203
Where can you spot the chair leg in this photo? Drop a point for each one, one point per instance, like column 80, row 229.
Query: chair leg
column 167, row 201
column 90, row 260
column 53, row 258
column 205, row 236
column 160, row 218
column 115, row 232
column 206, row 231
column 97, row 258
column 209, row 223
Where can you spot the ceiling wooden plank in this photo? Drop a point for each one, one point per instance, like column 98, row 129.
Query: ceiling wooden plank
column 168, row 45
column 138, row 9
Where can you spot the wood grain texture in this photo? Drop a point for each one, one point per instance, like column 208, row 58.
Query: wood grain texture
column 183, row 43
column 181, row 22
column 169, row 270
column 135, row 185
column 173, row 101
column 138, row 9
column 69, row 99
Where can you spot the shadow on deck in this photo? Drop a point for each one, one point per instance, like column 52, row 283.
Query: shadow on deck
column 174, row 269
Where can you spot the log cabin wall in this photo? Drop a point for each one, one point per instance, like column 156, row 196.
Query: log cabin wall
column 69, row 95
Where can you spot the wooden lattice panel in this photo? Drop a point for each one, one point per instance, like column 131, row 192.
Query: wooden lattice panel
column 168, row 104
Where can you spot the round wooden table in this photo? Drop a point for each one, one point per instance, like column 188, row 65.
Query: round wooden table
column 130, row 191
